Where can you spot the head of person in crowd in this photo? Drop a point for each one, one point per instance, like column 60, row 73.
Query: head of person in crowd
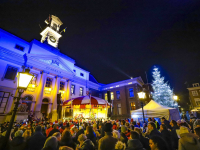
column 158, row 143
column 19, row 133
column 66, row 136
column 123, row 122
column 51, row 143
column 82, row 138
column 138, row 130
column 120, row 146
column 134, row 135
column 116, row 134
column 197, row 131
column 149, row 119
column 163, row 127
column 100, row 125
column 163, row 119
column 123, row 129
column 57, row 135
column 26, row 134
column 65, row 148
column 173, row 123
column 55, row 126
column 94, row 126
column 38, row 129
column 151, row 126
column 89, row 130
column 184, row 123
column 182, row 130
column 197, row 123
column 108, row 127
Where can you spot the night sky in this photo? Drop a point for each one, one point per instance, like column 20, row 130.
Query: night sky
column 115, row 40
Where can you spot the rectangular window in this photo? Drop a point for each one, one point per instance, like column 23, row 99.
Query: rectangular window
column 131, row 93
column 197, row 101
column 81, row 91
column 4, row 96
column 81, row 74
column 100, row 95
column 111, row 95
column 133, row 106
column 49, row 82
column 11, row 73
column 119, row 110
column 21, row 48
column 118, row 94
column 34, row 81
column 105, row 96
column 73, row 89
column 62, row 85
column 194, row 93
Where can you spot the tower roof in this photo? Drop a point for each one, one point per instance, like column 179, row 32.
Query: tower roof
column 56, row 19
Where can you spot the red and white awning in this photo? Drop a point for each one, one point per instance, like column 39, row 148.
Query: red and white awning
column 84, row 100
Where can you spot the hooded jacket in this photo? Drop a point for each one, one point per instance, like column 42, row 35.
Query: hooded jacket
column 188, row 141
column 134, row 144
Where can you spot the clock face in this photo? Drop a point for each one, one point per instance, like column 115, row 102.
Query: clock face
column 52, row 39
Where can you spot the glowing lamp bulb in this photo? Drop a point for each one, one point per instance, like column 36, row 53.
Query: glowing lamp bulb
column 24, row 78
column 141, row 95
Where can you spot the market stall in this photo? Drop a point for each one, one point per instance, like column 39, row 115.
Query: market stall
column 88, row 107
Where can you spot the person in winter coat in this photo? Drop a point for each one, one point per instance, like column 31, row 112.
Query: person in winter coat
column 18, row 143
column 174, row 137
column 166, row 135
column 51, row 143
column 80, row 131
column 90, row 134
column 143, row 140
column 107, row 142
column 188, row 141
column 37, row 140
column 123, row 137
column 66, row 139
column 134, row 142
column 158, row 143
column 85, row 144
column 152, row 130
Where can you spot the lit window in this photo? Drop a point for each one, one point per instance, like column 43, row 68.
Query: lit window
column 112, row 95
column 21, row 48
column 49, row 82
column 62, row 85
column 133, row 106
column 119, row 110
column 105, row 96
column 131, row 93
column 81, row 91
column 81, row 74
column 34, row 80
column 197, row 101
column 118, row 94
column 54, row 26
column 11, row 73
column 194, row 93
column 73, row 89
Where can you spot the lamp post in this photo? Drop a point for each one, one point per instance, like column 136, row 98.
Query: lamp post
column 23, row 80
column 175, row 98
column 141, row 96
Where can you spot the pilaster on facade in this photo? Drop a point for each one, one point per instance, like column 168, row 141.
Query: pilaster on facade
column 68, row 91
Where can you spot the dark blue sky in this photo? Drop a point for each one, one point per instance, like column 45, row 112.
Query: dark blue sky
column 116, row 39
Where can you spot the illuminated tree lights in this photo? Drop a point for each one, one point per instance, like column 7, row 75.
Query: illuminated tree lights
column 162, row 92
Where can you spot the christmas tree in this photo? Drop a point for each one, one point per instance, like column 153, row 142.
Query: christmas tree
column 162, row 93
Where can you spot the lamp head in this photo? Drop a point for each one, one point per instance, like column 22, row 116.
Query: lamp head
column 23, row 79
column 141, row 95
column 175, row 97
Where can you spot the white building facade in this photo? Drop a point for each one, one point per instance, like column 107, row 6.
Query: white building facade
column 54, row 73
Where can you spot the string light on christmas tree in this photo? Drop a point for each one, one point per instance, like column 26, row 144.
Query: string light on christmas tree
column 162, row 92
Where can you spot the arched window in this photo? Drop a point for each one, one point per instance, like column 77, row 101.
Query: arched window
column 28, row 100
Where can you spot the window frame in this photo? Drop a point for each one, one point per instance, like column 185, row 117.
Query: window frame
column 117, row 95
column 17, row 46
column 130, row 94
column 132, row 106
column 80, row 91
column 194, row 93
column 106, row 96
column 197, row 100
column 119, row 108
column 49, row 81
column 6, row 72
column 63, row 87
column 73, row 85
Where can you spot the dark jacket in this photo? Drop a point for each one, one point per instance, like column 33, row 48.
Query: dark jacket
column 174, row 137
column 36, row 142
column 92, row 138
column 166, row 135
column 81, row 131
column 154, row 132
column 145, row 142
column 123, row 138
column 188, row 141
column 107, row 142
column 167, row 123
column 69, row 143
column 134, row 144
column 17, row 143
column 87, row 145
column 52, row 132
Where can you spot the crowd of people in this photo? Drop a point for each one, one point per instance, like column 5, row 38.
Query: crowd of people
column 104, row 135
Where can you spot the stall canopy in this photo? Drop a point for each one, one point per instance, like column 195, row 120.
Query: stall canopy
column 153, row 109
column 85, row 100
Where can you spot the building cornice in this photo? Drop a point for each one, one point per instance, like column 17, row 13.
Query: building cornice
column 194, row 88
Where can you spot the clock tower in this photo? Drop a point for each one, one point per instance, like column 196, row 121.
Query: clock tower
column 51, row 33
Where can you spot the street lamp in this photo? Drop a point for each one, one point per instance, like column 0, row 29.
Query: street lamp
column 23, row 80
column 175, row 97
column 141, row 96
